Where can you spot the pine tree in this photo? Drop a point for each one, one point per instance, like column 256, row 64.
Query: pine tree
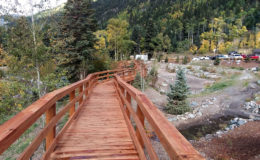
column 77, row 29
column 217, row 61
column 178, row 94
column 185, row 60
column 150, row 33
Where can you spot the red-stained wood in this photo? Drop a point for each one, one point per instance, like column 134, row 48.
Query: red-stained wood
column 128, row 98
column 99, row 127
column 80, row 91
column 140, row 115
column 51, row 134
column 72, row 108
column 173, row 141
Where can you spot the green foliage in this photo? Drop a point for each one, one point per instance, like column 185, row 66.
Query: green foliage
column 2, row 74
column 119, row 38
column 178, row 94
column 15, row 96
column 216, row 61
column 166, row 59
column 77, row 39
column 185, row 60
column 178, row 59
column 137, row 81
column 153, row 75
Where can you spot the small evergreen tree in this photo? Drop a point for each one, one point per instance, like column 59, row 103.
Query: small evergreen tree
column 185, row 60
column 178, row 59
column 178, row 94
column 217, row 61
column 153, row 75
column 137, row 81
column 166, row 59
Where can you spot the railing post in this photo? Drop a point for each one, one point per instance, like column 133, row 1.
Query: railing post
column 72, row 108
column 80, row 91
column 86, row 89
column 140, row 115
column 128, row 98
column 50, row 113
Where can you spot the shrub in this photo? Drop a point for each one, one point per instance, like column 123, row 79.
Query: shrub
column 204, row 68
column 138, row 81
column 170, row 70
column 2, row 73
column 217, row 62
column 247, row 59
column 178, row 94
column 189, row 67
column 178, row 59
column 153, row 75
column 166, row 59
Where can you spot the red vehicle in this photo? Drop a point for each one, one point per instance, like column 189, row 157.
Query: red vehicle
column 251, row 56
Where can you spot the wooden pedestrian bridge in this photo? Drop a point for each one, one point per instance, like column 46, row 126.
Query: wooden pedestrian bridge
column 108, row 120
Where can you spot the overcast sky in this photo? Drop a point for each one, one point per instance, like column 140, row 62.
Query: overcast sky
column 24, row 7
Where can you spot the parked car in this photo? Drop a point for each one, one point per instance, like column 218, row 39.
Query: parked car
column 232, row 53
column 236, row 56
column 220, row 56
column 224, row 57
column 195, row 59
column 204, row 58
column 251, row 56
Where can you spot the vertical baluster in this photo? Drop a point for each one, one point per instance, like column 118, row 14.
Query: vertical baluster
column 128, row 98
column 72, row 108
column 50, row 113
column 80, row 91
column 140, row 115
column 86, row 90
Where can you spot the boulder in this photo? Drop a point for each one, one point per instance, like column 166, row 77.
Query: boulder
column 194, row 104
column 241, row 121
column 191, row 116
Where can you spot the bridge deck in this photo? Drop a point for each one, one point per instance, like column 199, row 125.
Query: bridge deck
column 99, row 131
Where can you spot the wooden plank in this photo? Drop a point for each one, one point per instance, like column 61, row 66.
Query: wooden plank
column 99, row 126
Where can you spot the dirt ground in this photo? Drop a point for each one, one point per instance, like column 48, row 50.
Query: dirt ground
column 238, row 144
column 242, row 64
column 242, row 143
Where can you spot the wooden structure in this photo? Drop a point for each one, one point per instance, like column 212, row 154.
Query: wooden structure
column 102, row 124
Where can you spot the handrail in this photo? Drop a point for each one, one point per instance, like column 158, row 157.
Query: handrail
column 174, row 143
column 11, row 130
column 172, row 140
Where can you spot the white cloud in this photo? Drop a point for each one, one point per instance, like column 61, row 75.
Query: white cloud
column 25, row 7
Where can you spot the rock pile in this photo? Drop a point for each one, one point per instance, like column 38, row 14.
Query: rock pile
column 234, row 123
column 252, row 107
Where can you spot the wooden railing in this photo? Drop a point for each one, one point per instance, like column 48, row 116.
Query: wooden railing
column 77, row 92
column 174, row 143
column 177, row 147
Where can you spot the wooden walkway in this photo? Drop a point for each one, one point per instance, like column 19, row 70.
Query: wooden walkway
column 99, row 131
column 105, row 124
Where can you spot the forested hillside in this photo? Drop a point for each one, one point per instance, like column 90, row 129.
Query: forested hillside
column 180, row 25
